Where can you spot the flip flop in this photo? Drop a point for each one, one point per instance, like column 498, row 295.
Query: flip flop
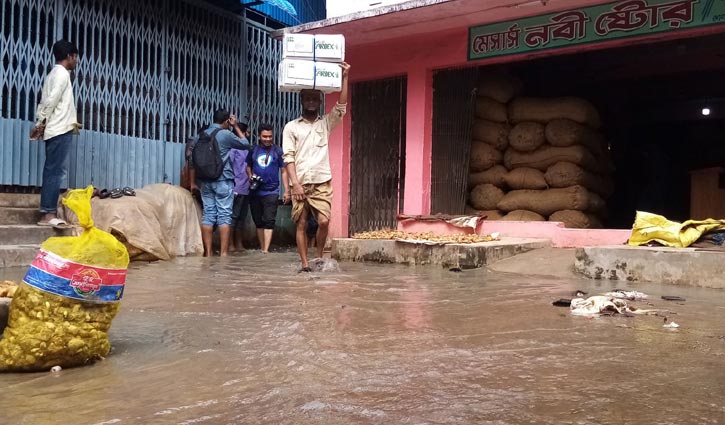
column 104, row 193
column 305, row 270
column 55, row 223
column 128, row 191
column 116, row 193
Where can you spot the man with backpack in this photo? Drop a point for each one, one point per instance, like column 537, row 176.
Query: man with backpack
column 214, row 176
column 263, row 168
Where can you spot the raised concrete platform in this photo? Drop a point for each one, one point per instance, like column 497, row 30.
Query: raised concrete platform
column 450, row 255
column 679, row 266
column 557, row 233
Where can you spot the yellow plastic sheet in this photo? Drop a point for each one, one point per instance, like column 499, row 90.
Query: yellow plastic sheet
column 650, row 227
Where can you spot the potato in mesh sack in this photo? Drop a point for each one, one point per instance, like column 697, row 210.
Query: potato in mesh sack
column 63, row 309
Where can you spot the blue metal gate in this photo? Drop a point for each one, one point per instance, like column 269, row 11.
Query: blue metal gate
column 151, row 73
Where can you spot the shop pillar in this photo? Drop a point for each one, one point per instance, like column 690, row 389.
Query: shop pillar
column 339, row 150
column 418, row 146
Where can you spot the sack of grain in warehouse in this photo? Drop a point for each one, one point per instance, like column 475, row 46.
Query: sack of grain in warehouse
column 525, row 178
column 576, row 219
column 564, row 132
column 494, row 175
column 483, row 156
column 546, row 202
column 485, row 197
column 523, row 215
column 499, row 86
column 546, row 156
column 489, row 109
column 543, row 110
column 489, row 214
column 565, row 174
column 493, row 133
column 527, row 136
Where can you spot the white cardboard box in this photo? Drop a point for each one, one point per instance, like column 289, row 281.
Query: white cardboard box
column 295, row 75
column 319, row 47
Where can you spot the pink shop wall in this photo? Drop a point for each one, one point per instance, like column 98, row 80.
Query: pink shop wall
column 418, row 57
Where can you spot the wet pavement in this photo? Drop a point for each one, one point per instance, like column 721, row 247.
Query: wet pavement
column 247, row 340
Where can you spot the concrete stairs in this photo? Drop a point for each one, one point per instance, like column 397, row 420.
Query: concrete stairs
column 20, row 237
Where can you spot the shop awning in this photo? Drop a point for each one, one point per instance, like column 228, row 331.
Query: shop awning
column 417, row 17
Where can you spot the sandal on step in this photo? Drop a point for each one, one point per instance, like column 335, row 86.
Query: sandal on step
column 116, row 193
column 55, row 223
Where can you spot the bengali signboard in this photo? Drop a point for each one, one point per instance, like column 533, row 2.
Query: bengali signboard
column 592, row 24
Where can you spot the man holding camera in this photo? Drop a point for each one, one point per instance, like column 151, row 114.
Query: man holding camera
column 264, row 163
column 215, row 179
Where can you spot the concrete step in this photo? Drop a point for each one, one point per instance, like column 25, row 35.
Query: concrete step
column 16, row 215
column 17, row 255
column 24, row 234
column 19, row 200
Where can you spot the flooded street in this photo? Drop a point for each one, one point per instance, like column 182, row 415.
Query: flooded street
column 247, row 340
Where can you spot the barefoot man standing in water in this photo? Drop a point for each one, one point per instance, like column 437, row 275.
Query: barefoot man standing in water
column 304, row 144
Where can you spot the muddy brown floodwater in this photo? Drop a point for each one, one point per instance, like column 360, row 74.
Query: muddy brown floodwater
column 247, row 340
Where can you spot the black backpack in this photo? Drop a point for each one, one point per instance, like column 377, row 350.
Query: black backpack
column 207, row 158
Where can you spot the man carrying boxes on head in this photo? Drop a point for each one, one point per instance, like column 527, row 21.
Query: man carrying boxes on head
column 305, row 139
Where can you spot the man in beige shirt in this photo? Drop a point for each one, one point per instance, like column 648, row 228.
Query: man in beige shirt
column 55, row 121
column 305, row 149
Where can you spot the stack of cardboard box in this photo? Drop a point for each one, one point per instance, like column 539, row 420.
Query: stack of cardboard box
column 311, row 62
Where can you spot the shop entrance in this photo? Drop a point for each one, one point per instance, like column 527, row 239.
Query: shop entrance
column 662, row 114
column 377, row 153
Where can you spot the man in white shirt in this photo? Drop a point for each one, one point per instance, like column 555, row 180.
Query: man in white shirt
column 55, row 122
column 305, row 151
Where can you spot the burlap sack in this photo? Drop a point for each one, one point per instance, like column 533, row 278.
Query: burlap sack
column 525, row 178
column 523, row 215
column 565, row 174
column 489, row 214
column 546, row 202
column 485, row 197
column 544, row 110
column 563, row 132
column 489, row 109
column 494, row 175
column 576, row 219
column 596, row 203
column 546, row 156
column 527, row 136
column 483, row 156
column 493, row 133
column 500, row 87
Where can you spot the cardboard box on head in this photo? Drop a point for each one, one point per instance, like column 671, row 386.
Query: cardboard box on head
column 297, row 75
column 318, row 48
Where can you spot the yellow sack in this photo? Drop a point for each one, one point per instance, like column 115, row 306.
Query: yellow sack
column 650, row 227
column 62, row 311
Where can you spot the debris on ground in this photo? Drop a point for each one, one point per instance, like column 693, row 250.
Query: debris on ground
column 671, row 325
column 562, row 302
column 401, row 235
column 627, row 295
column 672, row 298
column 605, row 305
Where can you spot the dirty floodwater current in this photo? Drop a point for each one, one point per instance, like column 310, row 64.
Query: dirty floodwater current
column 247, row 340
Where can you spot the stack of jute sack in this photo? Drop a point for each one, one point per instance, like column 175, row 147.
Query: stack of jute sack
column 555, row 164
column 487, row 178
column 311, row 62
